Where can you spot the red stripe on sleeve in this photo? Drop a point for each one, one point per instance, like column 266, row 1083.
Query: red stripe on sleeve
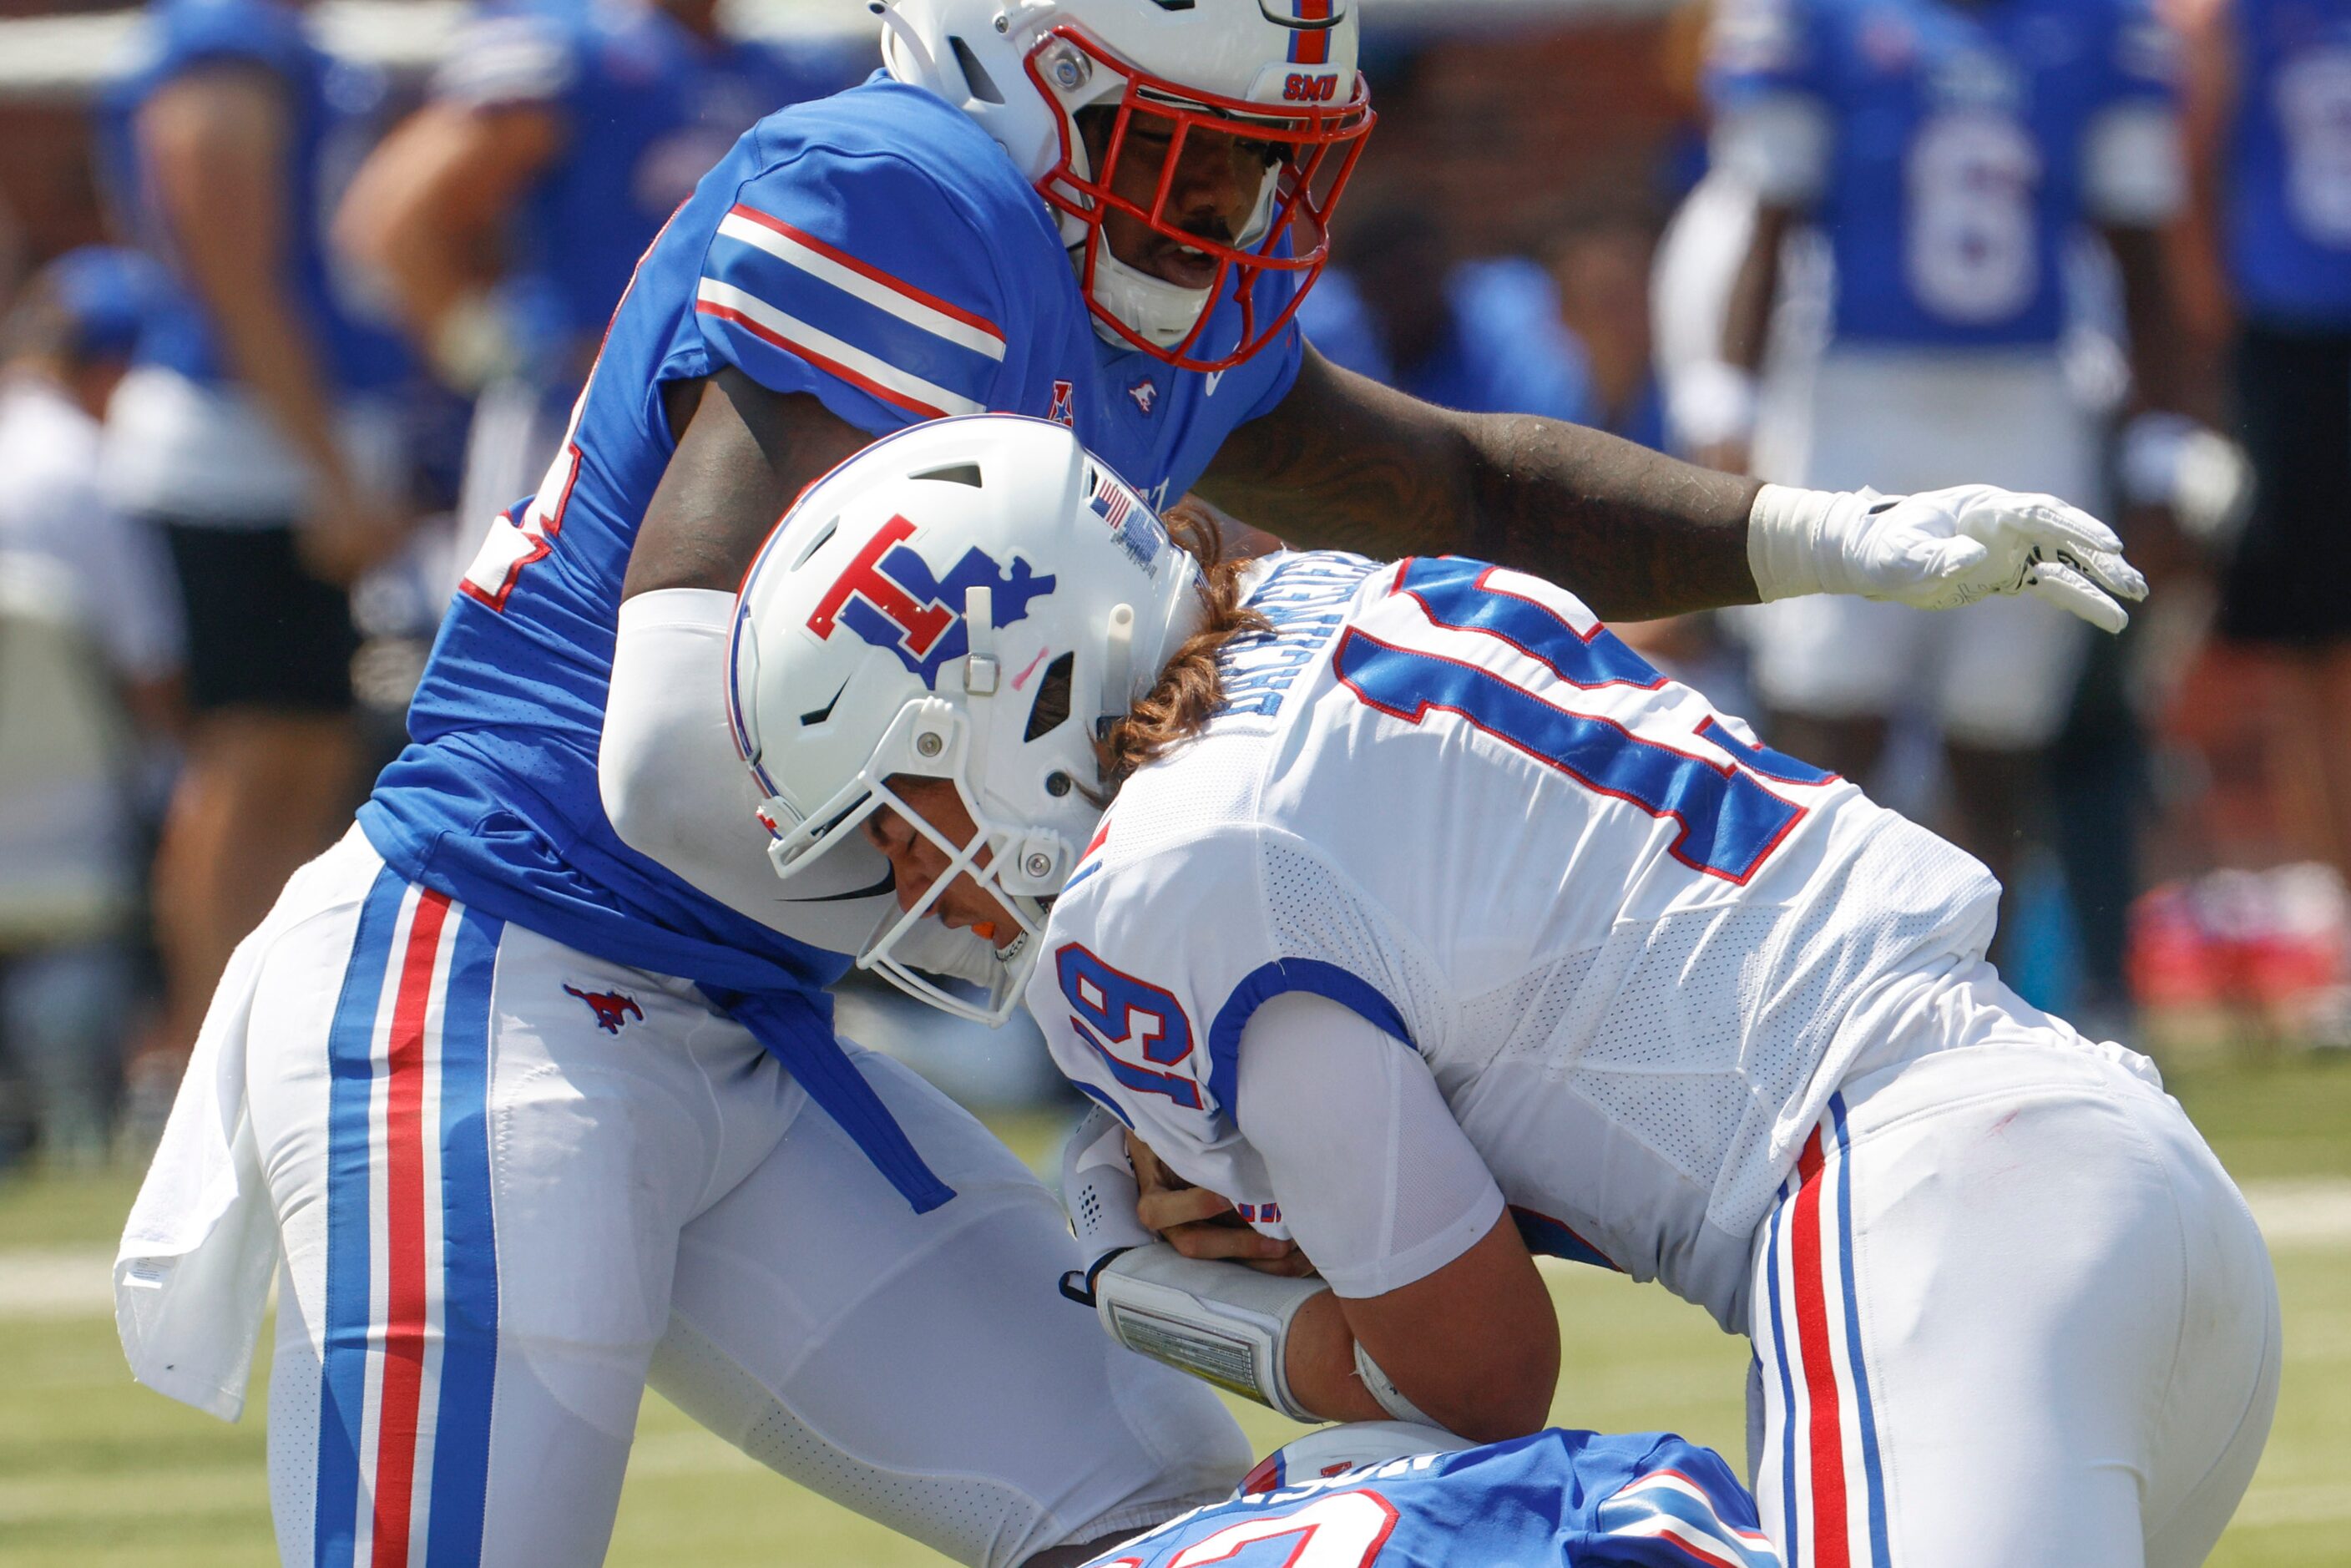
column 1698, row 1554
column 866, row 384
column 895, row 285
column 405, row 1286
column 1825, row 1436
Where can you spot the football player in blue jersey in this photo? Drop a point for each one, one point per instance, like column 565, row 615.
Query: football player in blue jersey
column 1949, row 155
column 1391, row 1494
column 2270, row 86
column 529, row 1091
column 556, row 142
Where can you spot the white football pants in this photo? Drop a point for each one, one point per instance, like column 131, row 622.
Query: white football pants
column 2009, row 1310
column 513, row 1184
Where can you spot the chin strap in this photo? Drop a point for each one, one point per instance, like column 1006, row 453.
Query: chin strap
column 1163, row 313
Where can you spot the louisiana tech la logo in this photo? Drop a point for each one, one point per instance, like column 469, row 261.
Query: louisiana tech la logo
column 888, row 597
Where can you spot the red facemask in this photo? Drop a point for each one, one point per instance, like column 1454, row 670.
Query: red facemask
column 1312, row 151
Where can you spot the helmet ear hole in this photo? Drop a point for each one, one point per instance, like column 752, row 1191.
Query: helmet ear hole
column 1051, row 708
column 823, row 536
column 975, row 75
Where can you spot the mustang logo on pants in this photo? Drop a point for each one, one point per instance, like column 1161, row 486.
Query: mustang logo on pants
column 611, row 1009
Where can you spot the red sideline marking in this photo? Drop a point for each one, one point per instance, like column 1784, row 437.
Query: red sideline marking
column 1827, row 1440
column 830, row 367
column 404, row 1283
column 895, row 286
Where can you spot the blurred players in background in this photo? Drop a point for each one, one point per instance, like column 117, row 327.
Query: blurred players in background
column 259, row 427
column 1484, row 336
column 1599, row 264
column 505, row 215
column 1946, row 154
column 2270, row 110
column 89, row 654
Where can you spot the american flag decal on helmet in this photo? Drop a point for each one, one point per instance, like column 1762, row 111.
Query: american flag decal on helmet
column 1129, row 523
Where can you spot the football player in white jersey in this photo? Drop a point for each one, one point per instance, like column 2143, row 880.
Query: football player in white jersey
column 1429, row 927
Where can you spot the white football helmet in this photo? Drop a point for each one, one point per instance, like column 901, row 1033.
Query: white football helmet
column 964, row 599
column 1279, row 72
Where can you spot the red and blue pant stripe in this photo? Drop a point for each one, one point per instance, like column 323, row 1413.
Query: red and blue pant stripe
column 410, row 1336
column 1832, row 1484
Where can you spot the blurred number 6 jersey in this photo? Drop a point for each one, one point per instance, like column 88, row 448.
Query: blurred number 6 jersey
column 1949, row 151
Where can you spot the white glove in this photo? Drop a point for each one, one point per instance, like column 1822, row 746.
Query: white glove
column 1939, row 551
column 2170, row 460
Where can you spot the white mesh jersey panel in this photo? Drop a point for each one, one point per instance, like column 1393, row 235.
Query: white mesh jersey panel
column 1486, row 1023
column 1713, row 1038
column 1902, row 905
column 1203, row 785
column 1316, row 912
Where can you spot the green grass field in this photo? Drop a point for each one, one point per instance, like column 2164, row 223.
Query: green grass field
column 95, row 1470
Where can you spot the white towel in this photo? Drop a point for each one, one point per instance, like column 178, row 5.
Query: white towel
column 192, row 1277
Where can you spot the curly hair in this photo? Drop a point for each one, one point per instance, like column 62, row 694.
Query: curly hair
column 1191, row 686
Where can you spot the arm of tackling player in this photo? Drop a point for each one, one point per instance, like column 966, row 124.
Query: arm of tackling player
column 1344, row 463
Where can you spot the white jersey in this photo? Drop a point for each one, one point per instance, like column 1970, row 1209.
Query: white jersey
column 1636, row 951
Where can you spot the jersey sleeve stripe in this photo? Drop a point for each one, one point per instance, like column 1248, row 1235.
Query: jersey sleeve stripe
column 1692, row 1543
column 798, row 248
column 875, row 377
column 1281, row 976
column 1670, row 1504
column 853, row 318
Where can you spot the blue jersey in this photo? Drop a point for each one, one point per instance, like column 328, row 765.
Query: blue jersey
column 647, row 107
column 876, row 250
column 1957, row 137
column 332, row 117
column 1557, row 1500
column 1504, row 350
column 2288, row 211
